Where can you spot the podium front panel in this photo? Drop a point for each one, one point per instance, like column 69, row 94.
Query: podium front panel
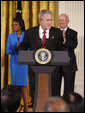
column 58, row 58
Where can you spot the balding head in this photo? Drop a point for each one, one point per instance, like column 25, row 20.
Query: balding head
column 56, row 104
column 63, row 20
column 64, row 16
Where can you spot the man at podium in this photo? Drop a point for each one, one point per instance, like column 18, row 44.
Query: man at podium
column 42, row 36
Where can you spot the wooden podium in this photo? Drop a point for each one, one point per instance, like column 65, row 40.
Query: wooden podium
column 43, row 74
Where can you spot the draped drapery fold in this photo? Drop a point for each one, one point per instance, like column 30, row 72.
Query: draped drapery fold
column 8, row 9
column 30, row 10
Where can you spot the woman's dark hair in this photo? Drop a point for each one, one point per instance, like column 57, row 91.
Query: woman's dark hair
column 21, row 22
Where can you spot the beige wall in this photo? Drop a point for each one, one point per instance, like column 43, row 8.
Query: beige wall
column 75, row 11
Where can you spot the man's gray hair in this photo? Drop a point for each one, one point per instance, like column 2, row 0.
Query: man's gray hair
column 56, row 104
column 42, row 12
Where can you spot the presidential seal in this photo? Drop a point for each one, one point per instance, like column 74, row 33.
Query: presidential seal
column 43, row 56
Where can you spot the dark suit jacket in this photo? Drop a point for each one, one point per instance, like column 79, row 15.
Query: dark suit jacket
column 70, row 45
column 31, row 39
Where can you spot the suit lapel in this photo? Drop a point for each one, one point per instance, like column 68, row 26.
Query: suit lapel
column 38, row 39
column 67, row 31
column 50, row 34
column 37, row 32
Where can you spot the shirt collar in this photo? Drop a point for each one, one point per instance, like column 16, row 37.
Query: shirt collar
column 47, row 31
column 64, row 29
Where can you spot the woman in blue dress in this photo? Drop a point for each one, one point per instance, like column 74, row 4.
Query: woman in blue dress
column 19, row 73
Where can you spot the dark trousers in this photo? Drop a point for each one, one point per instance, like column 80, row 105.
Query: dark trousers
column 69, row 80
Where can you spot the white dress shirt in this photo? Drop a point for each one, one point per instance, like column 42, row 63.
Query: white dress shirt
column 64, row 29
column 41, row 32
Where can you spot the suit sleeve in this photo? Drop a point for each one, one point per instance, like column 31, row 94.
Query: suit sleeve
column 60, row 41
column 10, row 49
column 26, row 42
column 71, row 41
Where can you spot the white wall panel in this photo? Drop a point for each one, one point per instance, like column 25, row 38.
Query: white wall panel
column 75, row 11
